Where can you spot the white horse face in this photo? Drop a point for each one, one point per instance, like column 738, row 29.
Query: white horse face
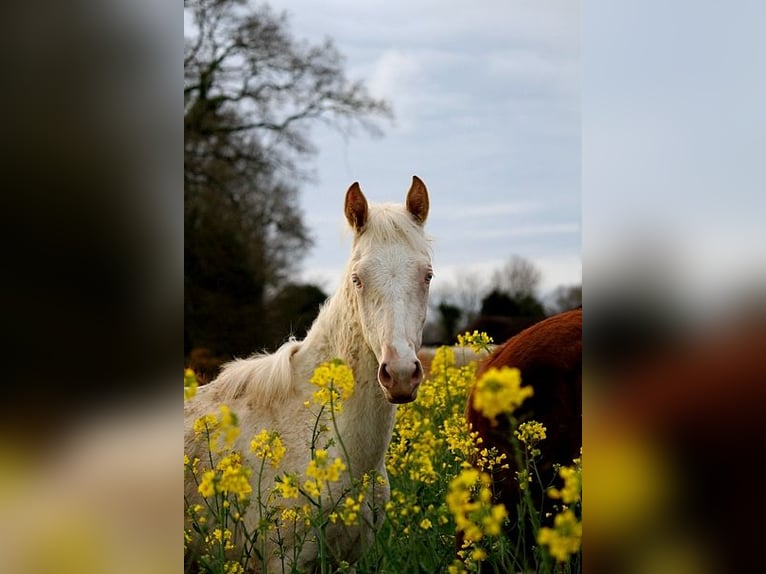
column 390, row 276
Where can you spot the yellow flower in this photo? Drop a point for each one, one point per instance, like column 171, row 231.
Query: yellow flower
column 312, row 488
column 207, row 484
column 349, row 512
column 475, row 518
column 476, row 341
column 499, row 391
column 425, row 524
column 335, row 382
column 212, row 427
column 572, row 489
column 478, row 554
column 524, row 478
column 565, row 538
column 494, row 521
column 489, row 459
column 219, row 536
column 228, row 477
column 234, row 478
column 206, row 423
column 530, row 432
column 320, row 470
column 443, row 361
column 287, row 486
column 190, row 384
column 267, row 446
column 289, row 515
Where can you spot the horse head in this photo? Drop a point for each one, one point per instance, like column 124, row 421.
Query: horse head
column 390, row 272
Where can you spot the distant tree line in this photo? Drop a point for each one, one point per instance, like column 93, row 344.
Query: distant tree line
column 509, row 303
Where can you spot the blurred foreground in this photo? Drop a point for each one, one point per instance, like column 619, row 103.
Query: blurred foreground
column 673, row 423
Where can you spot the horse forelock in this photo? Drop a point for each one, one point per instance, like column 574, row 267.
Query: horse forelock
column 391, row 223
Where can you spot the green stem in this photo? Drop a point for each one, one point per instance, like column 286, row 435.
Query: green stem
column 337, row 433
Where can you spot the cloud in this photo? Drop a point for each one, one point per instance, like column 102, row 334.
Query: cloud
column 464, row 212
column 531, row 72
column 398, row 78
column 487, row 112
column 530, row 230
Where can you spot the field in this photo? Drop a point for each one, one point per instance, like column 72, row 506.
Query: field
column 437, row 495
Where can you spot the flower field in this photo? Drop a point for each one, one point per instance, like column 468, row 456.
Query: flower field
column 441, row 516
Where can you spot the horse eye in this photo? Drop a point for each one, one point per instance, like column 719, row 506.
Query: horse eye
column 429, row 276
column 356, row 281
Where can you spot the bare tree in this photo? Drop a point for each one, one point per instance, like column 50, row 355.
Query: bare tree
column 245, row 74
column 465, row 292
column 251, row 93
column 565, row 297
column 519, row 278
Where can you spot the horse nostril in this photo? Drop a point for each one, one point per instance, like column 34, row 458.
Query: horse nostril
column 384, row 375
column 418, row 373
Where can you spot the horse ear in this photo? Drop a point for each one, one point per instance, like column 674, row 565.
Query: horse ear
column 417, row 200
column 356, row 207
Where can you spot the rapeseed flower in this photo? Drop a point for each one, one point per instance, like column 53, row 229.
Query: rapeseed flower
column 349, row 510
column 475, row 341
column 322, row 470
column 524, row 477
column 461, row 441
column 228, row 477
column 229, row 426
column 335, row 382
column 489, row 459
column 469, row 498
column 531, row 433
column 499, row 391
column 234, row 478
column 221, row 537
column 570, row 493
column 207, row 484
column 287, row 486
column 190, row 384
column 565, row 538
column 267, row 446
column 444, row 359
column 205, row 424
column 215, row 427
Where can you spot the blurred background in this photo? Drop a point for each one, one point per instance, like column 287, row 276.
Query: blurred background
column 629, row 138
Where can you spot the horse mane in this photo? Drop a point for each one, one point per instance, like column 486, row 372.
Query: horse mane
column 268, row 377
column 265, row 376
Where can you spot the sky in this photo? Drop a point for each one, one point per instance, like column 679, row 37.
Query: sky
column 486, row 99
column 673, row 143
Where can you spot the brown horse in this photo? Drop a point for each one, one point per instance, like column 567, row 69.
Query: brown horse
column 549, row 357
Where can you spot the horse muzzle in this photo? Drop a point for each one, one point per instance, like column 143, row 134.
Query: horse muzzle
column 400, row 378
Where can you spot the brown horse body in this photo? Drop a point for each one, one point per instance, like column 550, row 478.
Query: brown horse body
column 549, row 357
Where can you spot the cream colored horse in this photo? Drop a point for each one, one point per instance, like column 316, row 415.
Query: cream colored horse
column 374, row 323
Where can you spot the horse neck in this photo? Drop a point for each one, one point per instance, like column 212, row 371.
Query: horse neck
column 367, row 420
